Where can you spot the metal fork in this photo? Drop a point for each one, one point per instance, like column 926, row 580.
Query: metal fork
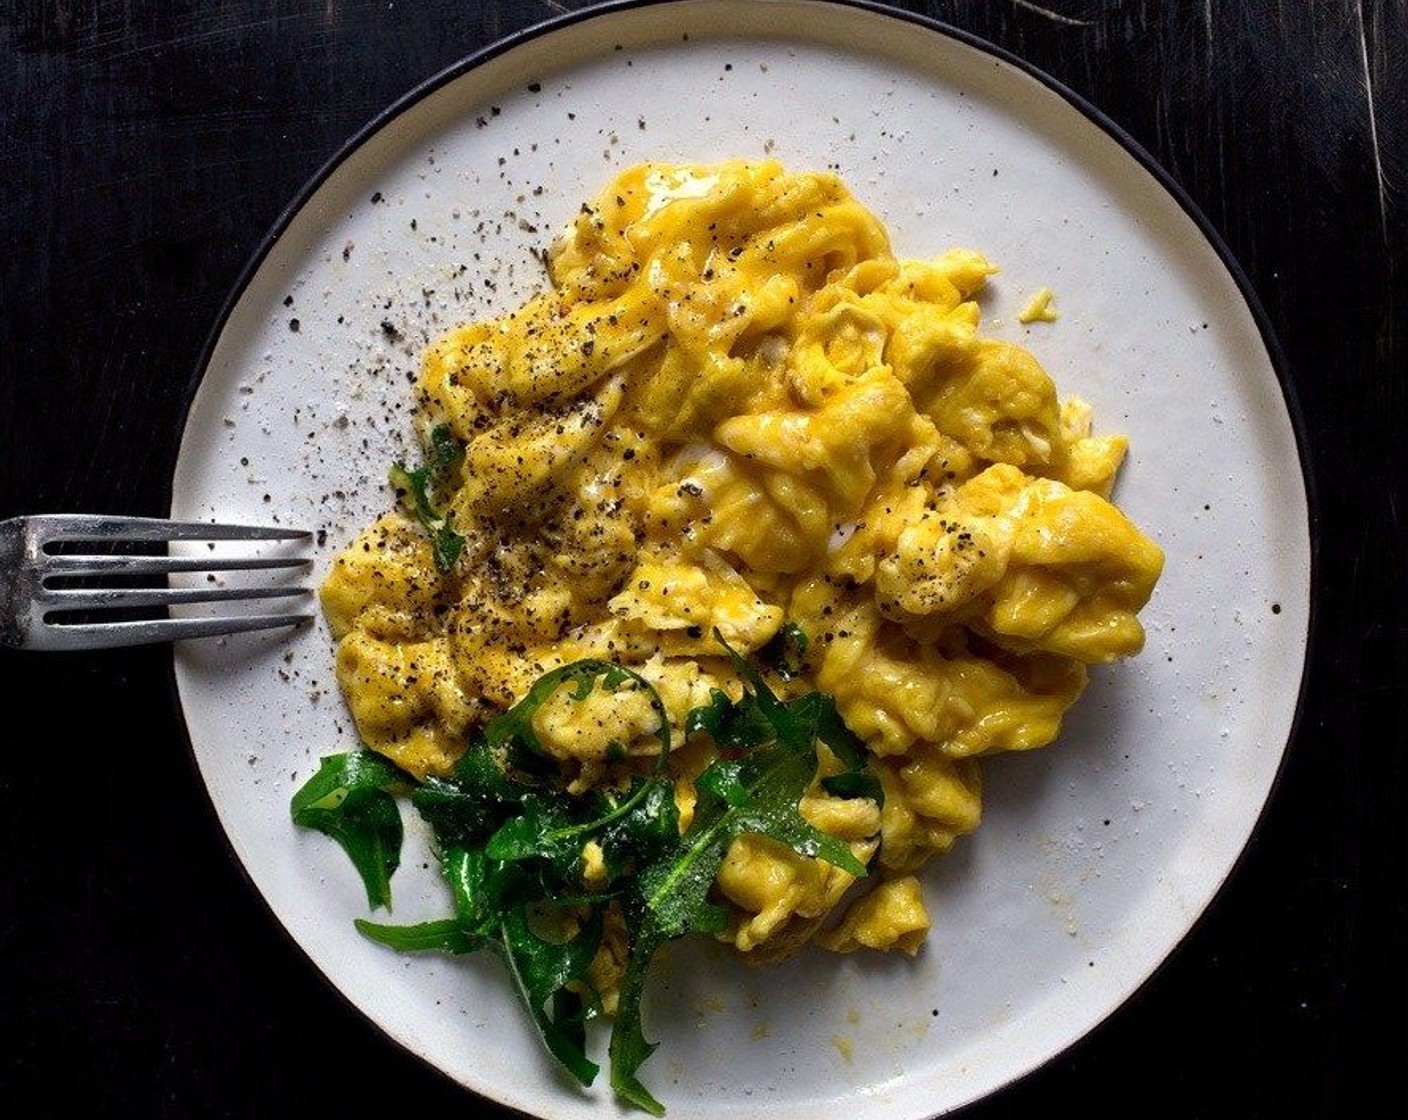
column 51, row 580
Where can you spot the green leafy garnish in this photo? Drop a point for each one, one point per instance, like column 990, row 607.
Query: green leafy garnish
column 445, row 449
column 493, row 911
column 351, row 798
column 758, row 793
column 414, row 488
column 786, row 651
column 513, row 731
column 733, row 727
column 514, row 845
column 444, row 935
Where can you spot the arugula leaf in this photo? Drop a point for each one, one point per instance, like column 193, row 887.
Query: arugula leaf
column 479, row 890
column 758, row 793
column 511, row 841
column 816, row 710
column 445, row 543
column 856, row 780
column 544, row 829
column 494, row 783
column 541, row 970
column 491, row 914
column 512, row 733
column 853, row 784
column 445, row 450
column 443, row 936
column 351, row 798
column 492, row 905
column 414, row 488
column 632, row 840
column 734, row 728
column 629, row 1048
column 786, row 651
column 457, row 810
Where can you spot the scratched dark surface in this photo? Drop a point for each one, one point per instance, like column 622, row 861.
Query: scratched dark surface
column 146, row 148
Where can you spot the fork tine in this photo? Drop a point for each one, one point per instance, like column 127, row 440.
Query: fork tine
column 106, row 598
column 72, row 564
column 106, row 635
column 82, row 527
column 35, row 614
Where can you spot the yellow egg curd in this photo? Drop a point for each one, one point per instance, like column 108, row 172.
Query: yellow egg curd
column 732, row 409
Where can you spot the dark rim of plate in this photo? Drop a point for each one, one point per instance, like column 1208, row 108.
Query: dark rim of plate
column 1095, row 115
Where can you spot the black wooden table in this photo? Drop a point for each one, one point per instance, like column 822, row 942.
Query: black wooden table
column 144, row 151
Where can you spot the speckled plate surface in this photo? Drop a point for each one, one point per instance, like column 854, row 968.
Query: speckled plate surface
column 1095, row 856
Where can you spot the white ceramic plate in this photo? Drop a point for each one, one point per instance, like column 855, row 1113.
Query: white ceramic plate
column 1095, row 856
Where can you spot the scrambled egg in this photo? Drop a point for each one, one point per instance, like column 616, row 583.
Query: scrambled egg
column 1039, row 309
column 734, row 407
